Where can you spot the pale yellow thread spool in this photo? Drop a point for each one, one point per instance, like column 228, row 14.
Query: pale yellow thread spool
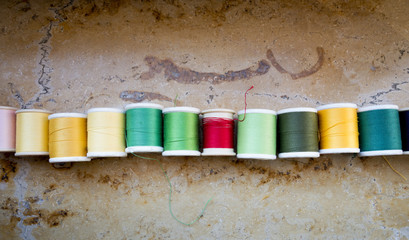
column 106, row 132
column 338, row 126
column 68, row 137
column 32, row 132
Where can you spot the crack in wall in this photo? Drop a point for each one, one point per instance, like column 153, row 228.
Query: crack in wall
column 374, row 99
column 44, row 78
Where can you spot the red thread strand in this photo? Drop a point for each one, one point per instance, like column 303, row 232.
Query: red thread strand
column 245, row 103
column 218, row 132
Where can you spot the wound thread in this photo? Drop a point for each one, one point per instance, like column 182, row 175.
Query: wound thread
column 68, row 137
column 256, row 135
column 181, row 131
column 7, row 129
column 32, row 132
column 338, row 127
column 144, row 127
column 297, row 133
column 379, row 130
column 106, row 132
column 218, row 132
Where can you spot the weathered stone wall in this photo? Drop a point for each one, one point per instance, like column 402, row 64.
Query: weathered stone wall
column 74, row 55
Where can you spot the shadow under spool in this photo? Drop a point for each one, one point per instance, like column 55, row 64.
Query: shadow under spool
column 297, row 133
column 32, row 132
column 7, row 129
column 379, row 131
column 181, row 131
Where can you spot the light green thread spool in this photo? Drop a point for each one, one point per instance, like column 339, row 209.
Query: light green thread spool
column 256, row 135
column 181, row 131
column 144, row 127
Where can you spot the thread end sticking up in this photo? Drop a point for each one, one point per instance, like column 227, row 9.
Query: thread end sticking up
column 245, row 103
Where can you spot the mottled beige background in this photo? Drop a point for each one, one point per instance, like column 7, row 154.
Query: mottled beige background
column 74, row 55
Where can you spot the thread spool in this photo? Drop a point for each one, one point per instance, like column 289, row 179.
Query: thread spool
column 68, row 137
column 379, row 130
column 256, row 135
column 297, row 133
column 404, row 128
column 338, row 127
column 144, row 127
column 7, row 129
column 218, row 126
column 32, row 132
column 106, row 132
column 181, row 131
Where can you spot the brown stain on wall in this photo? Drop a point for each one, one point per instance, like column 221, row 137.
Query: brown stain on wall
column 8, row 170
column 138, row 96
column 305, row 73
column 188, row 76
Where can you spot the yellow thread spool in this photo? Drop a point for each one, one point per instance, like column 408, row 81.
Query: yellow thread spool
column 32, row 132
column 338, row 126
column 68, row 137
column 106, row 132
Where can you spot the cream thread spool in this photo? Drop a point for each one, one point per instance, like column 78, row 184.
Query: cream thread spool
column 106, row 132
column 32, row 132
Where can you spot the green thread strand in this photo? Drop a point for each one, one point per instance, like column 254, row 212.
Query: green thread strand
column 181, row 131
column 144, row 127
column 297, row 132
column 257, row 134
column 379, row 130
column 170, row 195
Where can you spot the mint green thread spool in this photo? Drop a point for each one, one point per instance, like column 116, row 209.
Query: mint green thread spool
column 181, row 131
column 144, row 127
column 297, row 133
column 379, row 131
column 256, row 135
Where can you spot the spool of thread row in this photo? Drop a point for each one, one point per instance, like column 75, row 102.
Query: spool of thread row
column 68, row 137
column 379, row 130
column 106, row 132
column 144, row 127
column 404, row 128
column 256, row 135
column 7, row 129
column 32, row 132
column 181, row 131
column 218, row 126
column 297, row 133
column 338, row 127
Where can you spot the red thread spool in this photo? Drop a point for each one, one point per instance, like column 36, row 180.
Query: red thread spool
column 218, row 126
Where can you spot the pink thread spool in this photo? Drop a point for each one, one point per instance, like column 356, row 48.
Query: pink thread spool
column 7, row 129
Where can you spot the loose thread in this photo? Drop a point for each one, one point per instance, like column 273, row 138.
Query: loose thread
column 170, row 194
column 245, row 103
column 396, row 171
column 174, row 100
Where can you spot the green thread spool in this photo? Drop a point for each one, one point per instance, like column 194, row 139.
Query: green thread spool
column 181, row 131
column 379, row 131
column 297, row 133
column 144, row 127
column 256, row 135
